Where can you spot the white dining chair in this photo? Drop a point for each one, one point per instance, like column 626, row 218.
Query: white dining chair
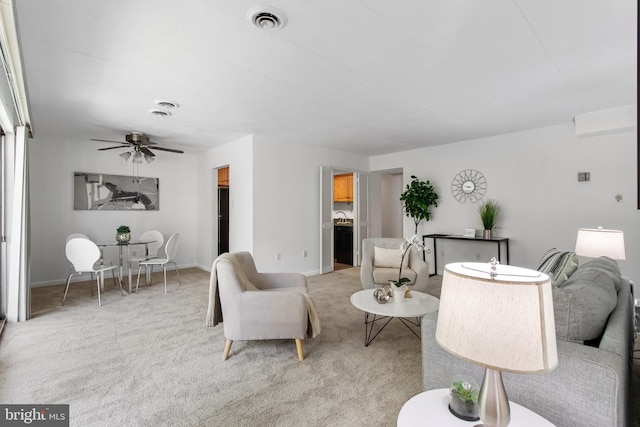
column 157, row 240
column 76, row 236
column 83, row 255
column 167, row 258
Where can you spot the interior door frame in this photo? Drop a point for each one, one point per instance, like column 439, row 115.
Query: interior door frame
column 360, row 207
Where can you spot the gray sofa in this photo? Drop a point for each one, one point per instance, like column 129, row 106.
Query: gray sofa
column 590, row 386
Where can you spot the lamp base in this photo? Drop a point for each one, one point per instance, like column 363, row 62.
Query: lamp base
column 493, row 404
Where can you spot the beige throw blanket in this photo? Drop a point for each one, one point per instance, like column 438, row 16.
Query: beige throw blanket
column 214, row 312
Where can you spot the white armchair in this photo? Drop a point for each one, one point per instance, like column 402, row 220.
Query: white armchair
column 259, row 306
column 374, row 272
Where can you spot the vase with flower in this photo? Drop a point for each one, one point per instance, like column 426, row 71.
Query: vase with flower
column 399, row 286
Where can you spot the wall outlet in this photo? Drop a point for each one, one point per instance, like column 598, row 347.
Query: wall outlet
column 305, row 253
column 278, row 256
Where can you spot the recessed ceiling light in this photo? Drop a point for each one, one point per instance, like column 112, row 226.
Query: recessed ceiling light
column 167, row 104
column 267, row 18
column 160, row 113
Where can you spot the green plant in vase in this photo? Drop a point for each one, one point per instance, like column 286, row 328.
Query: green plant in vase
column 123, row 234
column 400, row 284
column 464, row 400
column 417, row 200
column 488, row 211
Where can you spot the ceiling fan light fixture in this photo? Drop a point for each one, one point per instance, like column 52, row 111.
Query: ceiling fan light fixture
column 125, row 156
column 267, row 18
column 149, row 159
column 159, row 113
column 137, row 158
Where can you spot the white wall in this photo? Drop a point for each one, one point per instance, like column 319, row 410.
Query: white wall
column 52, row 164
column 287, row 202
column 391, row 206
column 533, row 176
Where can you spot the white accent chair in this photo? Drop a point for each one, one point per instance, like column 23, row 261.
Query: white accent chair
column 278, row 310
column 83, row 255
column 168, row 258
column 373, row 273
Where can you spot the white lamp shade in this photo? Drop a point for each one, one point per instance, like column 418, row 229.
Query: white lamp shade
column 597, row 242
column 505, row 323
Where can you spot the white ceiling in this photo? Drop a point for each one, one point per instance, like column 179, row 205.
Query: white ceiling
column 364, row 76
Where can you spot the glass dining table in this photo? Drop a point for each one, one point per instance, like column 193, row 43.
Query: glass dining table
column 121, row 257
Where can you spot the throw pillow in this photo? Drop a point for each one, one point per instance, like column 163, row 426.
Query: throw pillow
column 389, row 257
column 583, row 304
column 558, row 265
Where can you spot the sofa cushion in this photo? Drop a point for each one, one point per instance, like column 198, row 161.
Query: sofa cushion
column 558, row 265
column 389, row 257
column 583, row 303
column 609, row 266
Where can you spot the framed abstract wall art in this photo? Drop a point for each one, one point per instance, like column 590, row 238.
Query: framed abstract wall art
column 96, row 191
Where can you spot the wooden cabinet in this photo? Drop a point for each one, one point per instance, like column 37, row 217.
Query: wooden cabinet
column 343, row 188
column 223, row 177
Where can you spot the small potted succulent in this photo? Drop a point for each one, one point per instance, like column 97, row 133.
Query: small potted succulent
column 123, row 234
column 464, row 400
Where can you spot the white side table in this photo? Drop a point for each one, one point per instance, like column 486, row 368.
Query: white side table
column 430, row 408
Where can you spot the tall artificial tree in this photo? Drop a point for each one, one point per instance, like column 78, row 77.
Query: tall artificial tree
column 417, row 200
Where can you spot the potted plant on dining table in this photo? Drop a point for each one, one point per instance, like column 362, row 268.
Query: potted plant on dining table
column 123, row 234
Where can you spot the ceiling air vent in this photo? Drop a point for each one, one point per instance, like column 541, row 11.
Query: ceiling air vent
column 159, row 113
column 167, row 104
column 267, row 18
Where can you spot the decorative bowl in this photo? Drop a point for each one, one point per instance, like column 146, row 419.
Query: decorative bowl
column 382, row 295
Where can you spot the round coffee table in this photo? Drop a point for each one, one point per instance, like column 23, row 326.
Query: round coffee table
column 415, row 307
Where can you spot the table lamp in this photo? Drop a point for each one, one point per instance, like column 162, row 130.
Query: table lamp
column 597, row 242
column 501, row 318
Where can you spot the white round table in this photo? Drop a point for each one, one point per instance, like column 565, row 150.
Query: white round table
column 415, row 307
column 430, row 408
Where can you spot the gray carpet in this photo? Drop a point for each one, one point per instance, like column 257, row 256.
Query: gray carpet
column 149, row 360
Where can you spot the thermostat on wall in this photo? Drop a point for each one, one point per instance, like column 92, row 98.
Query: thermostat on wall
column 469, row 232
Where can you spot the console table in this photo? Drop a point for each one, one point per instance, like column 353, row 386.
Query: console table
column 498, row 241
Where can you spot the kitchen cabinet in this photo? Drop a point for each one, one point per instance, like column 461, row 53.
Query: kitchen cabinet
column 343, row 188
column 343, row 244
column 223, row 177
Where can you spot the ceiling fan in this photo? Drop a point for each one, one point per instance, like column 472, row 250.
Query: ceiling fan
column 140, row 144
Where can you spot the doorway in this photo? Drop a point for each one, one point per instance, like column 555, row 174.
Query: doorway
column 391, row 214
column 334, row 215
column 223, row 210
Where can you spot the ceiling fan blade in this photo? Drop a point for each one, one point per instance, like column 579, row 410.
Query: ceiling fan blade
column 113, row 148
column 146, row 151
column 171, row 150
column 107, row 140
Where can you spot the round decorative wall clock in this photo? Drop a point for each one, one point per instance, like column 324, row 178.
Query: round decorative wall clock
column 470, row 185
